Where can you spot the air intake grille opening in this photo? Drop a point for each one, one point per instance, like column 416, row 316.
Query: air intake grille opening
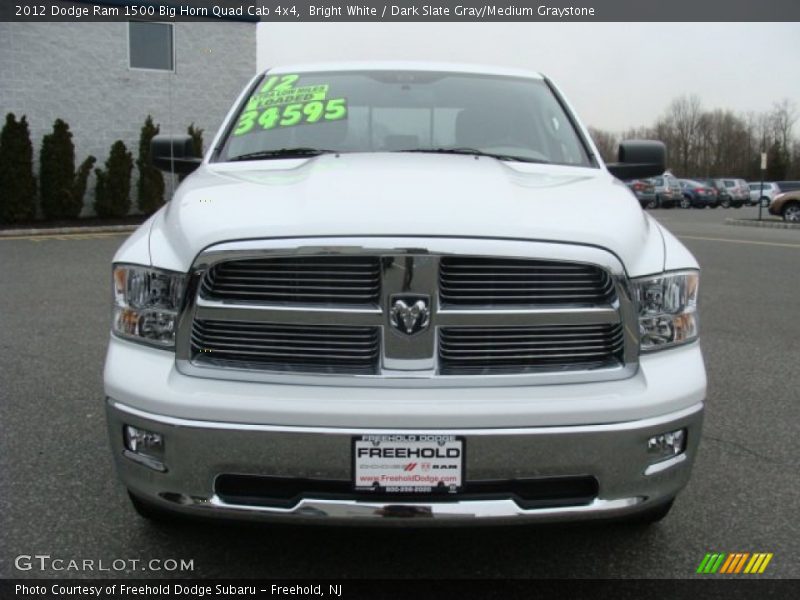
column 488, row 350
column 286, row 492
column 301, row 348
column 334, row 280
column 475, row 281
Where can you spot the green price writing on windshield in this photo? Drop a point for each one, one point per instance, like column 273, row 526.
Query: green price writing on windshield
column 289, row 115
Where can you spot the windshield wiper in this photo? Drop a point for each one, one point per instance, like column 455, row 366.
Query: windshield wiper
column 283, row 153
column 476, row 152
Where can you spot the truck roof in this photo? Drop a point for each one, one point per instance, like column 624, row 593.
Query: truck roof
column 404, row 66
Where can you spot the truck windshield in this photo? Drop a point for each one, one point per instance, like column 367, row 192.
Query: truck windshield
column 304, row 114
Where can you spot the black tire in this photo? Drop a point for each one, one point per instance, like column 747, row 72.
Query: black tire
column 652, row 203
column 725, row 203
column 151, row 512
column 686, row 202
column 791, row 212
column 649, row 516
column 764, row 201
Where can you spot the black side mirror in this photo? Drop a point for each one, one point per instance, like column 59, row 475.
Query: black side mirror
column 639, row 159
column 174, row 153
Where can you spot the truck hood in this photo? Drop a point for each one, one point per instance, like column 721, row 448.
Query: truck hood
column 402, row 194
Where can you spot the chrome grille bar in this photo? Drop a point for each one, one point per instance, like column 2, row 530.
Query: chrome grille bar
column 464, row 350
column 482, row 281
column 300, row 280
column 286, row 347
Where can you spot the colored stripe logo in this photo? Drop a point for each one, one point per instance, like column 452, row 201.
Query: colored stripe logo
column 734, row 563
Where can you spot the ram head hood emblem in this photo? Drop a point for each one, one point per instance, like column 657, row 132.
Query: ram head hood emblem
column 410, row 314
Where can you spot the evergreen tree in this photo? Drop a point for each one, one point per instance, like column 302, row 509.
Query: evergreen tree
column 56, row 170
column 112, row 195
column 17, row 183
column 197, row 139
column 62, row 188
column 150, row 185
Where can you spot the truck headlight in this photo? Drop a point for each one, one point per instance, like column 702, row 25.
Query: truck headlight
column 146, row 304
column 667, row 309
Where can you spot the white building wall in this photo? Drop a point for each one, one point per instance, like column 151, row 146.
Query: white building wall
column 79, row 72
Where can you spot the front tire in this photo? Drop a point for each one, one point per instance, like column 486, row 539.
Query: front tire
column 791, row 212
column 686, row 202
column 652, row 204
column 726, row 203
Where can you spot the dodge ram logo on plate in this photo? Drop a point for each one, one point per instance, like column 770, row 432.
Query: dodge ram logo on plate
column 410, row 314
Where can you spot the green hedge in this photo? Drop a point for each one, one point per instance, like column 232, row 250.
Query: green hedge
column 17, row 183
column 112, row 194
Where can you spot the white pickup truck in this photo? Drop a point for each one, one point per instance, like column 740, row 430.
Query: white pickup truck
column 400, row 292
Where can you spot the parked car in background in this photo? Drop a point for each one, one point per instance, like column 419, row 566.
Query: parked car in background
column 725, row 193
column 697, row 194
column 786, row 205
column 765, row 193
column 644, row 190
column 787, row 186
column 668, row 191
column 738, row 191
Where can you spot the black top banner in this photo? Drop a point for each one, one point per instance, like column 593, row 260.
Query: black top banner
column 402, row 10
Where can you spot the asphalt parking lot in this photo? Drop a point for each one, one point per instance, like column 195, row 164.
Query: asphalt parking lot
column 59, row 494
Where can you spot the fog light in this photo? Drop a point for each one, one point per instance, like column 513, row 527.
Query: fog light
column 667, row 445
column 143, row 446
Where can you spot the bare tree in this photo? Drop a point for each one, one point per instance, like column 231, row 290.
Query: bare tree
column 606, row 143
column 782, row 117
column 718, row 142
column 682, row 121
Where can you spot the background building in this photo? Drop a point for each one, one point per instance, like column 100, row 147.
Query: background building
column 103, row 79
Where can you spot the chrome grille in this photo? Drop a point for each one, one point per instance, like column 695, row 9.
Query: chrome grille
column 484, row 350
column 482, row 281
column 289, row 310
column 320, row 349
column 343, row 280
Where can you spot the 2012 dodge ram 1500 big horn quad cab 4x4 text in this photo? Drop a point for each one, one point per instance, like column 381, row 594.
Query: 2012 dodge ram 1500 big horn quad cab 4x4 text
column 404, row 290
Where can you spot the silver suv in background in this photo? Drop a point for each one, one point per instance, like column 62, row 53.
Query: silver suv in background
column 668, row 190
column 765, row 194
column 738, row 191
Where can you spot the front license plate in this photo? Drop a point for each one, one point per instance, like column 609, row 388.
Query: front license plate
column 408, row 464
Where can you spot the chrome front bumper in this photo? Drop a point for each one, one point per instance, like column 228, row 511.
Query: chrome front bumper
column 198, row 451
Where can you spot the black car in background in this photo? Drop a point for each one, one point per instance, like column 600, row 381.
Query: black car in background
column 697, row 194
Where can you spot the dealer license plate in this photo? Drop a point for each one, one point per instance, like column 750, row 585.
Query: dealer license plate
column 408, row 464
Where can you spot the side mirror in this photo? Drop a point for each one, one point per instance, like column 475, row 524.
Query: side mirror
column 174, row 153
column 639, row 159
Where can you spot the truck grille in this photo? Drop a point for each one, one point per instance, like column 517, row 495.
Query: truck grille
column 487, row 350
column 510, row 281
column 353, row 280
column 404, row 309
column 328, row 348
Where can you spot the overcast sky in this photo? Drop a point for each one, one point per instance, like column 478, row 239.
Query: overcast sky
column 616, row 75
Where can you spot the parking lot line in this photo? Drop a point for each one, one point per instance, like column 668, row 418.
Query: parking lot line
column 730, row 241
column 65, row 236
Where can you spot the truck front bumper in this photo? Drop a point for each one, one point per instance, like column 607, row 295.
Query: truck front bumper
column 198, row 453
